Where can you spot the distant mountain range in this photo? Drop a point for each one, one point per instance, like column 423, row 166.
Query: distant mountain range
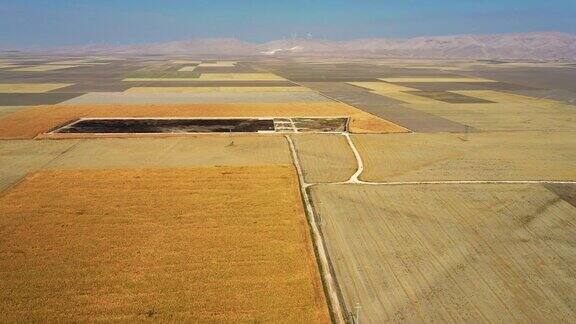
column 529, row 46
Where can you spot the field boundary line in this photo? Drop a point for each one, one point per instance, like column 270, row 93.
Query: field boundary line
column 325, row 266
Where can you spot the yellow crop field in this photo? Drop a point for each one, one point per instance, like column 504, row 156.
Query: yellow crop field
column 31, row 87
column 451, row 253
column 43, row 68
column 30, row 122
column 219, row 244
column 505, row 97
column 186, row 62
column 325, row 157
column 383, row 87
column 239, row 77
column 215, row 89
column 476, row 156
column 219, row 64
column 187, row 69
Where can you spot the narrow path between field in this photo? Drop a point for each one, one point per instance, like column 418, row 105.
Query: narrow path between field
column 322, row 253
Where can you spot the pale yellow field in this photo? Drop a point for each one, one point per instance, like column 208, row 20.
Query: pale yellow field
column 411, row 98
column 476, row 156
column 383, row 87
column 7, row 65
column 187, row 69
column 219, row 244
column 214, row 89
column 43, row 68
column 530, row 115
column 174, row 152
column 239, row 77
column 425, row 79
column 186, row 62
column 20, row 157
column 31, row 87
column 505, row 97
column 451, row 253
column 325, row 157
column 218, row 64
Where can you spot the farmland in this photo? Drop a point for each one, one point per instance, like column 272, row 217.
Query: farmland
column 264, row 189
column 159, row 242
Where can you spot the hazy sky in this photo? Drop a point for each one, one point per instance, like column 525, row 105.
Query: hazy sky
column 62, row 22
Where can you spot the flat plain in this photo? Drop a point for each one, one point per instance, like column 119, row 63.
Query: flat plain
column 434, row 190
column 207, row 244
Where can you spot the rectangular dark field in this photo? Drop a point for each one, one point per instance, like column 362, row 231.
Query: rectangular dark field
column 168, row 126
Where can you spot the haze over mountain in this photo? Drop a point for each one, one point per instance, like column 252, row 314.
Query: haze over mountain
column 537, row 46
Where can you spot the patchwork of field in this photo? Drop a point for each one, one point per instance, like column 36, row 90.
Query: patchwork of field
column 207, row 244
column 444, row 253
column 434, row 191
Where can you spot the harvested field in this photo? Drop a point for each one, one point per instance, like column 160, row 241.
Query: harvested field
column 535, row 116
column 215, row 89
column 437, row 79
column 31, row 87
column 325, row 157
column 19, row 158
column 222, row 244
column 239, row 76
column 475, row 156
column 31, row 122
column 43, row 68
column 110, row 98
column 173, row 152
column 452, row 253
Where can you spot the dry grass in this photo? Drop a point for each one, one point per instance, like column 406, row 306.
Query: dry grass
column 43, row 68
column 31, row 122
column 31, row 87
column 325, row 157
column 222, row 244
column 476, row 156
column 463, row 254
column 215, row 89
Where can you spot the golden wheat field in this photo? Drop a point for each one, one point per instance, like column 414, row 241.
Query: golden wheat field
column 451, row 253
column 195, row 244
